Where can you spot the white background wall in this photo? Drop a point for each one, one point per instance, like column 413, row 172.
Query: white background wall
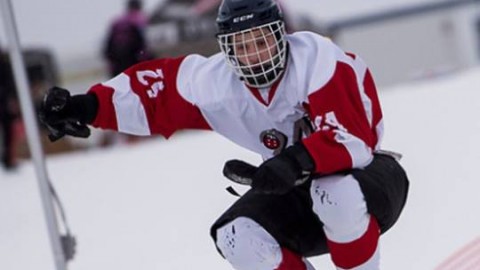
column 416, row 46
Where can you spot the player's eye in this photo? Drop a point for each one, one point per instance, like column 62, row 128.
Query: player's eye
column 240, row 48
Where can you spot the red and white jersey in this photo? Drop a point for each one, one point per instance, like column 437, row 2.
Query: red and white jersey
column 334, row 89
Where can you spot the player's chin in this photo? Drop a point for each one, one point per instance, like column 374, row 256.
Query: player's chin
column 256, row 70
column 259, row 78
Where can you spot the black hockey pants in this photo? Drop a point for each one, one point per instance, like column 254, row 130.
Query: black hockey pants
column 289, row 218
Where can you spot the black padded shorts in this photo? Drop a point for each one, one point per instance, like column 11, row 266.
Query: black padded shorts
column 289, row 218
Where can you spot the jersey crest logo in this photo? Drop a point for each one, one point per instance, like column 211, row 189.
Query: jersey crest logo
column 273, row 140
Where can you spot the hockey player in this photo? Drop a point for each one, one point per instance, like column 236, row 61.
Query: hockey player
column 310, row 109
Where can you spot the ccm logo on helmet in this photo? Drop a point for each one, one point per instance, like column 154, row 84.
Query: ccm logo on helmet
column 243, row 18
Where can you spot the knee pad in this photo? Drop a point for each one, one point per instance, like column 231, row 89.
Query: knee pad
column 339, row 203
column 247, row 245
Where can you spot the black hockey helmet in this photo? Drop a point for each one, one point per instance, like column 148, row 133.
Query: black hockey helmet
column 259, row 24
column 238, row 15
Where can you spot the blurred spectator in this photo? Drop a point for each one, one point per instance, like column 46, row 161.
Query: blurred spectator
column 125, row 44
column 9, row 113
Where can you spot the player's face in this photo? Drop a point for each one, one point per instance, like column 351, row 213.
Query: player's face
column 255, row 48
column 256, row 55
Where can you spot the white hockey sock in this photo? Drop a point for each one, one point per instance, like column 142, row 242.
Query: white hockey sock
column 352, row 233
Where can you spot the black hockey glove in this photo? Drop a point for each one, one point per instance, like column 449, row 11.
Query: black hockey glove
column 292, row 167
column 64, row 115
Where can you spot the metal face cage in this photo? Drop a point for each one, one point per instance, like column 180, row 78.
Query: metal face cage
column 257, row 55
